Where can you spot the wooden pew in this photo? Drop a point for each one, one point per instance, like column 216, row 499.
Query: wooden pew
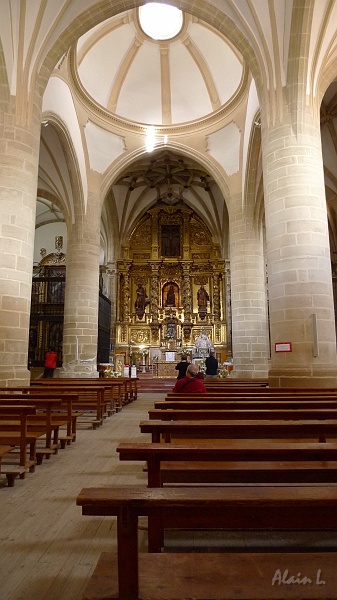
column 231, row 383
column 130, row 575
column 243, row 461
column 3, row 451
column 117, row 391
column 251, row 395
column 256, row 404
column 17, row 435
column 63, row 412
column 91, row 402
column 306, row 429
column 49, row 418
column 206, row 414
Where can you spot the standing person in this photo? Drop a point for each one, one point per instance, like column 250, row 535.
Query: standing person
column 181, row 367
column 190, row 384
column 211, row 366
column 50, row 364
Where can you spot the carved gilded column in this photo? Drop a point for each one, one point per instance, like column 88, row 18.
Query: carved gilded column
column 217, row 308
column 187, row 302
column 155, row 234
column 112, row 273
column 186, row 233
column 125, row 302
column 216, row 297
column 154, row 325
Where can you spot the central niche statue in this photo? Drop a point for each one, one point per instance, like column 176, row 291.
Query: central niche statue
column 170, row 298
column 141, row 301
column 203, row 346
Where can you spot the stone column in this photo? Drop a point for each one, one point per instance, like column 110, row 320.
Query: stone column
column 298, row 255
column 82, row 294
column 249, row 305
column 228, row 310
column 19, row 155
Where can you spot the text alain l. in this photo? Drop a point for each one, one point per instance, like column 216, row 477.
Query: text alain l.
column 283, row 578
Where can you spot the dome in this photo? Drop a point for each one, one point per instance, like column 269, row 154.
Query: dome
column 157, row 82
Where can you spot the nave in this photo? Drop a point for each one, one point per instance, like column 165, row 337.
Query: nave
column 49, row 550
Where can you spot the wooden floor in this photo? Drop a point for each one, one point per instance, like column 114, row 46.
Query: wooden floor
column 48, row 549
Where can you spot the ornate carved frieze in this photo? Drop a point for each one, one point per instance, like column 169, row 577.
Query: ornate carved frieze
column 202, row 268
column 171, row 271
column 201, row 256
column 141, row 255
column 140, row 335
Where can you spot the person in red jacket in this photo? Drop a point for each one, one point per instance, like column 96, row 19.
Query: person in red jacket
column 50, row 364
column 190, row 384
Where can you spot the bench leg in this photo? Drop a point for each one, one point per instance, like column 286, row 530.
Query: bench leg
column 10, row 479
column 127, row 537
column 155, row 534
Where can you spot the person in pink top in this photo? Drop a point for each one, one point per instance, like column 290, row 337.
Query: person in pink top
column 190, row 384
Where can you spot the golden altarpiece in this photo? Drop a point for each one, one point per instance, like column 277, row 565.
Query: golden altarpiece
column 171, row 287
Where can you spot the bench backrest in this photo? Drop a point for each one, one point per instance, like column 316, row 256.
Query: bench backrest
column 244, row 414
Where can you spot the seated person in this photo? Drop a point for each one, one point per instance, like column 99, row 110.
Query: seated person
column 190, row 384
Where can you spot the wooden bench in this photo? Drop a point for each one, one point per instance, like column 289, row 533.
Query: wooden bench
column 117, row 391
column 300, row 429
column 17, row 435
column 250, row 395
column 272, row 414
column 131, row 575
column 46, row 421
column 91, row 402
column 256, row 404
column 232, row 381
column 220, row 576
column 243, row 461
column 3, row 451
column 65, row 410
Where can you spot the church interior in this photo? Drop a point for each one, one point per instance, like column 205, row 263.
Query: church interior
column 168, row 188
